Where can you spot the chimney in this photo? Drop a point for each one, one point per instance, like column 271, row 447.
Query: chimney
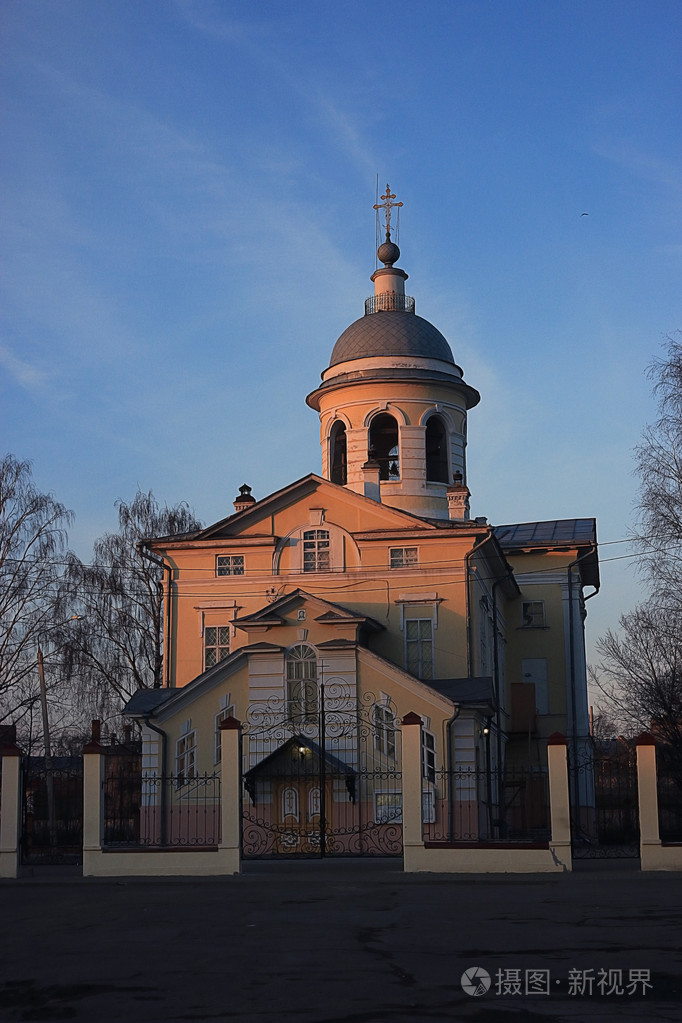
column 458, row 499
column 371, row 486
column 245, row 498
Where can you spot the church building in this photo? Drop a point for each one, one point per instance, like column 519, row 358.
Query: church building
column 320, row 615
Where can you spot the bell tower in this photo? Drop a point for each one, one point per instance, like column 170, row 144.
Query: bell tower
column 393, row 403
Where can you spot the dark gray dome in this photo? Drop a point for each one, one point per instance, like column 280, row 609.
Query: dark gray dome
column 391, row 333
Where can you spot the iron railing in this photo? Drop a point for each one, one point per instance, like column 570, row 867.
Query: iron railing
column 389, row 301
column 160, row 811
column 479, row 807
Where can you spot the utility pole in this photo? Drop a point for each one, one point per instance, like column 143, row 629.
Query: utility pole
column 49, row 776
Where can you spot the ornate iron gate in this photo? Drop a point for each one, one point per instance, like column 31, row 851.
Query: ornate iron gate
column 321, row 776
column 52, row 811
column 604, row 806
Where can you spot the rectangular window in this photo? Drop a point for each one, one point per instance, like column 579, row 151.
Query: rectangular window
column 221, row 716
column 428, row 756
column 316, row 550
column 384, row 730
column 403, row 557
column 533, row 614
column 185, row 759
column 216, row 644
column 419, row 647
column 229, row 564
column 388, row 807
column 428, row 807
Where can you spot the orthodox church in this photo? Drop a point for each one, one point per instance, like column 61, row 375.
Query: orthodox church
column 320, row 615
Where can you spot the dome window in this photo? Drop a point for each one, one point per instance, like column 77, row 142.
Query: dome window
column 383, row 445
column 436, row 451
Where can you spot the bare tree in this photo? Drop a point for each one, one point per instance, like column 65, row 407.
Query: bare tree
column 33, row 539
column 659, row 467
column 641, row 672
column 116, row 647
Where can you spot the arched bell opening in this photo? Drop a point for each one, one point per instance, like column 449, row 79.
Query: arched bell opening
column 383, row 446
column 437, row 470
column 339, row 454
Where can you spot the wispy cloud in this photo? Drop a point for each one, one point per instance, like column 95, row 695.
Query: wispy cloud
column 27, row 376
column 641, row 164
column 340, row 123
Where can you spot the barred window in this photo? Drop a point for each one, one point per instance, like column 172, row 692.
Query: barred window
column 388, row 807
column 216, row 644
column 403, row 557
column 229, row 564
column 316, row 550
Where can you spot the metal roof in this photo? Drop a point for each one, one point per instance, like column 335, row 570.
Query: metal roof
column 391, row 333
column 547, row 534
column 473, row 691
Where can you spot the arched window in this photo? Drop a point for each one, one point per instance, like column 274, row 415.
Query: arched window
column 383, row 445
column 301, row 679
column 436, row 451
column 314, row 804
column 290, row 810
column 337, row 442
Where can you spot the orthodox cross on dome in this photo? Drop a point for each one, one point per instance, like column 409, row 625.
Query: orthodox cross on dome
column 387, row 206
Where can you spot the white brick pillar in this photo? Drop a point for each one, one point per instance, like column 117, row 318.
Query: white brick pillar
column 230, row 794
column 413, row 840
column 647, row 795
column 10, row 811
column 559, row 801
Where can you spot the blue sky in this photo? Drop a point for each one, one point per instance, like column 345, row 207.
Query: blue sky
column 187, row 192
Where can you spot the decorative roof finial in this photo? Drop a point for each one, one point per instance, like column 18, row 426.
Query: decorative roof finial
column 387, row 206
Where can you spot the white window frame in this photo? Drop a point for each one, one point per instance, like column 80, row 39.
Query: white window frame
column 302, row 693
column 217, row 645
column 316, row 545
column 186, row 759
column 428, row 745
column 290, row 814
column 533, row 614
column 384, row 730
column 314, row 803
column 222, row 715
column 229, row 564
column 421, row 643
column 403, row 557
column 429, row 806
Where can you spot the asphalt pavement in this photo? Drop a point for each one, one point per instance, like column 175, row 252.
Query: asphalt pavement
column 343, row 942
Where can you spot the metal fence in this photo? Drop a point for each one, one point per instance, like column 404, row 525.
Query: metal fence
column 477, row 807
column 604, row 802
column 161, row 811
column 52, row 810
column 669, row 796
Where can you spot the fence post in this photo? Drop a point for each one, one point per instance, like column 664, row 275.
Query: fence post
column 413, row 840
column 230, row 794
column 559, row 801
column 647, row 796
column 93, row 809
column 10, row 811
